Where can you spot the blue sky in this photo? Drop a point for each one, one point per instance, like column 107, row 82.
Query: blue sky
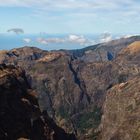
column 66, row 24
column 71, row 16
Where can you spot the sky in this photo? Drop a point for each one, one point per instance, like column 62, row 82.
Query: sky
column 70, row 16
column 66, row 24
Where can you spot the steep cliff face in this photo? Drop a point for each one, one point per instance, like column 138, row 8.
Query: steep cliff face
column 20, row 116
column 120, row 120
column 63, row 88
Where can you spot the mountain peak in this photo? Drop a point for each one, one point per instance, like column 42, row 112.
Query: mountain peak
column 134, row 47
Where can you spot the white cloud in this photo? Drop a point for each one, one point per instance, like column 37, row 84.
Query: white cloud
column 130, row 35
column 42, row 41
column 76, row 8
column 66, row 4
column 74, row 37
column 16, row 30
column 84, row 12
column 27, row 40
column 55, row 40
column 46, row 41
column 77, row 39
column 105, row 37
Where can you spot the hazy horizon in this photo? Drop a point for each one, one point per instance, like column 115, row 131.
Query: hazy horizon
column 55, row 41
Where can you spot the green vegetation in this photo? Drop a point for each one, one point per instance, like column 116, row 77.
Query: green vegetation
column 63, row 113
column 89, row 119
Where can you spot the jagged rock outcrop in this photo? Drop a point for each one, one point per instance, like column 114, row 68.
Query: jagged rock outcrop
column 20, row 116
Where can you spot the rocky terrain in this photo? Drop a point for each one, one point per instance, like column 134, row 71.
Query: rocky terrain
column 97, row 53
column 79, row 88
column 120, row 119
column 20, row 116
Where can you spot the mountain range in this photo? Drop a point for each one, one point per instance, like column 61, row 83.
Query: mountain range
column 86, row 94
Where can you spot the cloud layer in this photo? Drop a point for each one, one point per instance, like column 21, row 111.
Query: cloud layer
column 72, row 38
column 74, row 4
column 68, row 3
column 74, row 16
